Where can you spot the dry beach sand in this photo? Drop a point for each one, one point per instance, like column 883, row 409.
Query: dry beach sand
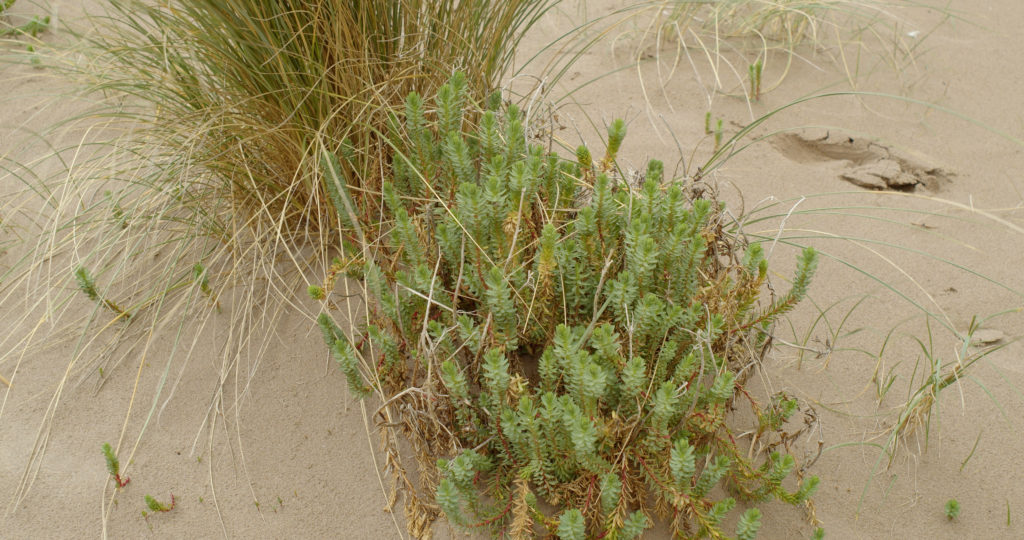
column 279, row 449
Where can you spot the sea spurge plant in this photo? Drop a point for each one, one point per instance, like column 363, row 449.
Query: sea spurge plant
column 346, row 358
column 952, row 509
column 114, row 466
column 157, row 506
column 581, row 342
column 682, row 464
column 454, row 380
column 616, row 134
column 315, row 292
column 633, row 526
column 571, row 525
column 748, row 525
column 498, row 299
column 344, row 354
column 496, row 374
column 87, row 284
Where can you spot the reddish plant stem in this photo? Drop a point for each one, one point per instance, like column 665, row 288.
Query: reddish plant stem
column 170, row 507
column 504, row 443
column 590, row 492
column 486, row 522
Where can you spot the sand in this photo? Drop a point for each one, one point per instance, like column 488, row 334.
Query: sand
column 287, row 453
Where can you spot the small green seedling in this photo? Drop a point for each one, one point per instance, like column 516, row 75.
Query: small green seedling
column 315, row 292
column 819, row 534
column 755, row 80
column 87, row 285
column 31, row 28
column 33, row 58
column 158, row 506
column 37, row 25
column 707, row 123
column 718, row 135
column 952, row 509
column 114, row 466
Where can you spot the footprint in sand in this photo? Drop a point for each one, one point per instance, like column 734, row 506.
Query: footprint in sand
column 861, row 162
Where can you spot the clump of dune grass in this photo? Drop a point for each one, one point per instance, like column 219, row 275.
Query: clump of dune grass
column 242, row 95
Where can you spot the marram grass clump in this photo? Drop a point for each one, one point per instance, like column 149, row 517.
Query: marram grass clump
column 235, row 97
column 561, row 338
